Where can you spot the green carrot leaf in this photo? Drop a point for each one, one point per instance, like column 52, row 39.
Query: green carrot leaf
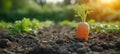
column 82, row 11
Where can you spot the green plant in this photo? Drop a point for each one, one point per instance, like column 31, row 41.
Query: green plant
column 83, row 27
column 4, row 24
column 82, row 11
column 28, row 26
column 105, row 27
column 25, row 25
column 46, row 23
column 68, row 23
column 35, row 24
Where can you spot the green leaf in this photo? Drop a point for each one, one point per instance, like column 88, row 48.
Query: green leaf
column 82, row 11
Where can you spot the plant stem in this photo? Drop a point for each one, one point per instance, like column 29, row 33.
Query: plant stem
column 82, row 11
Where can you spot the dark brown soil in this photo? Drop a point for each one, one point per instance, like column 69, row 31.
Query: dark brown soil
column 58, row 40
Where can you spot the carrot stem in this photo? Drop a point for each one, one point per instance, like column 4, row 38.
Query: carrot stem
column 82, row 11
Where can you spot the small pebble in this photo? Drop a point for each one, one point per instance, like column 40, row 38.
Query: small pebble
column 96, row 48
column 63, row 50
column 59, row 42
column 81, row 51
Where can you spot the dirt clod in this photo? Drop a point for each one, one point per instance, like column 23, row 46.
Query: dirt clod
column 4, row 43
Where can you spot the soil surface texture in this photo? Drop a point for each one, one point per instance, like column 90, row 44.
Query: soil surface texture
column 58, row 40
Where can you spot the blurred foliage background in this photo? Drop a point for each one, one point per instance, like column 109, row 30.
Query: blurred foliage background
column 12, row 10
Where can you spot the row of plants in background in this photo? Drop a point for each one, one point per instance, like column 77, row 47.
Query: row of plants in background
column 103, row 27
column 25, row 25
column 42, row 13
column 31, row 26
column 56, row 13
column 11, row 10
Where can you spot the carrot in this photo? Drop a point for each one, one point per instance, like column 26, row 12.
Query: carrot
column 83, row 27
column 83, row 31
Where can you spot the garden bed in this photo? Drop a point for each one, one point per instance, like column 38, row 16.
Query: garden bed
column 58, row 40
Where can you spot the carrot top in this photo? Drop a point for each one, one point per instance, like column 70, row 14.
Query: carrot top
column 82, row 11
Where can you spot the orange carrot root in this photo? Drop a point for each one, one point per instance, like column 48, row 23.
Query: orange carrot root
column 83, row 31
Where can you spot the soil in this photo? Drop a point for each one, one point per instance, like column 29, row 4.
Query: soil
column 58, row 40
